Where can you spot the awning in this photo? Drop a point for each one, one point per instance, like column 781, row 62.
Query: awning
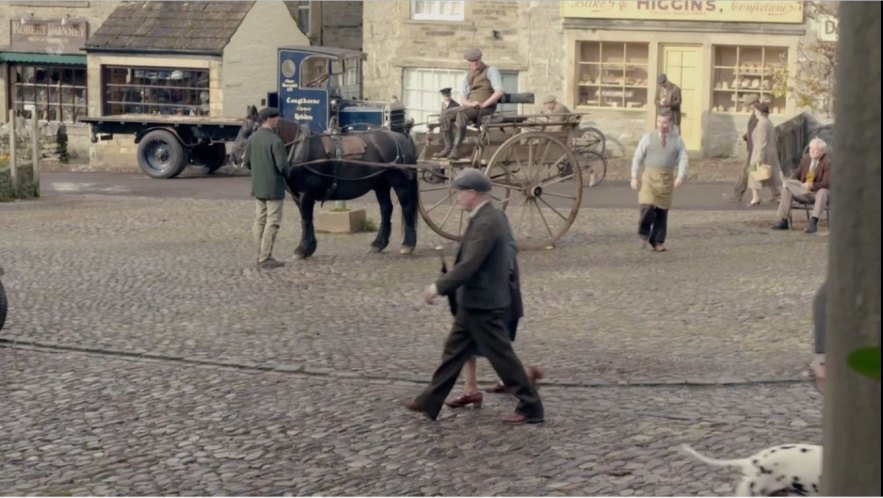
column 42, row 58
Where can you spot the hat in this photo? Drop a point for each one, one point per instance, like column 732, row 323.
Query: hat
column 472, row 55
column 762, row 107
column 662, row 78
column 472, row 179
column 548, row 99
column 750, row 98
column 445, row 91
column 267, row 113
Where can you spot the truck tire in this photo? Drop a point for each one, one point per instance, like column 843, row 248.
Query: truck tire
column 2, row 305
column 161, row 155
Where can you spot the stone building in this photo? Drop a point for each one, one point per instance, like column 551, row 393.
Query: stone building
column 599, row 57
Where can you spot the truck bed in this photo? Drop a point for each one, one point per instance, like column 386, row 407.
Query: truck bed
column 164, row 120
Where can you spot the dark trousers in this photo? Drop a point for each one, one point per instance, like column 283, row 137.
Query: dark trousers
column 463, row 116
column 653, row 224
column 742, row 183
column 487, row 329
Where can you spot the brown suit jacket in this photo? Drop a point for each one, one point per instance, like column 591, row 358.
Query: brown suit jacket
column 823, row 172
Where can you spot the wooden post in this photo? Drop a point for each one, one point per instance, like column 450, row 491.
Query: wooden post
column 852, row 402
column 13, row 172
column 35, row 153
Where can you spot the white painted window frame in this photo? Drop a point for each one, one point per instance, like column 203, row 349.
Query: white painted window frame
column 435, row 14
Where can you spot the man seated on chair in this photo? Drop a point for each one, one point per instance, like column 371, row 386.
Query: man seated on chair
column 482, row 88
column 556, row 111
column 810, row 182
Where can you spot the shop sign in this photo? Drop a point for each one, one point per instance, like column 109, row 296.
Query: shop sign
column 754, row 11
column 51, row 37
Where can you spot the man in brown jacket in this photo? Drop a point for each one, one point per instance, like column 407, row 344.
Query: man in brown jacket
column 810, row 182
column 749, row 100
column 668, row 96
column 481, row 88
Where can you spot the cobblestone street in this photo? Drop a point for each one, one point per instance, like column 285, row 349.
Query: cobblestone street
column 145, row 354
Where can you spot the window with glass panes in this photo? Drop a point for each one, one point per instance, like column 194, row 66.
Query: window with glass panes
column 153, row 90
column 612, row 74
column 438, row 10
column 421, row 98
column 743, row 70
column 55, row 93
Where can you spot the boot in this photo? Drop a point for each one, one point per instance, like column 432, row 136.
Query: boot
column 812, row 226
column 448, row 140
column 455, row 150
column 781, row 225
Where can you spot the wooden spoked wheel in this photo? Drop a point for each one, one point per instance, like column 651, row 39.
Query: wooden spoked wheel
column 438, row 206
column 536, row 179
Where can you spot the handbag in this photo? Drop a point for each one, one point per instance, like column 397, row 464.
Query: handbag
column 762, row 172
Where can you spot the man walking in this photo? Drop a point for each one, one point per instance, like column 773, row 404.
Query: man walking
column 480, row 281
column 659, row 152
column 482, row 88
column 668, row 97
column 749, row 100
column 265, row 156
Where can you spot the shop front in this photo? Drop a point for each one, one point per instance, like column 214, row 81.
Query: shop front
column 716, row 51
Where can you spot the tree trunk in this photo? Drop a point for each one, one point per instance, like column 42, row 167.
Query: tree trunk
column 852, row 402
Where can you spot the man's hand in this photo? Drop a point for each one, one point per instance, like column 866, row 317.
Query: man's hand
column 429, row 294
column 808, row 186
column 679, row 181
column 635, row 184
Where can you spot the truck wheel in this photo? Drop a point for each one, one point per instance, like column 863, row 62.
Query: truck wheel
column 2, row 305
column 161, row 155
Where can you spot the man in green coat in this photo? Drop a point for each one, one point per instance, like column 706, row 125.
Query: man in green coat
column 265, row 156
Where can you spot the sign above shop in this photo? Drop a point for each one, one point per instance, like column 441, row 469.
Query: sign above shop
column 759, row 11
column 52, row 37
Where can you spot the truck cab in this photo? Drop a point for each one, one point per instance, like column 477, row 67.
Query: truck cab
column 322, row 87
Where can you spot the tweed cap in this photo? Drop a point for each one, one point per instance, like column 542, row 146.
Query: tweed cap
column 750, row 98
column 473, row 54
column 548, row 99
column 267, row 113
column 446, row 91
column 662, row 78
column 472, row 179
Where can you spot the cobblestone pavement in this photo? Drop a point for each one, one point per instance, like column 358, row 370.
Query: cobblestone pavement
column 145, row 354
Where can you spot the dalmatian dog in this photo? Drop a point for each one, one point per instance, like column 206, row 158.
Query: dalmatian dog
column 784, row 470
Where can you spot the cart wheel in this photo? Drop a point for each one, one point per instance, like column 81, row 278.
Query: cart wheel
column 161, row 155
column 533, row 180
column 438, row 206
column 593, row 167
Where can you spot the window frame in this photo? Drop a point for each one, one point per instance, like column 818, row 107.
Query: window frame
column 602, row 68
column 719, row 86
column 50, row 104
column 194, row 106
column 436, row 14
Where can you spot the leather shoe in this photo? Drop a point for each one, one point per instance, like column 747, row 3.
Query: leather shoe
column 811, row 227
column 411, row 405
column 781, row 225
column 466, row 399
column 519, row 419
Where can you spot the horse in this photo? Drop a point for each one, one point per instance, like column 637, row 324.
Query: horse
column 317, row 174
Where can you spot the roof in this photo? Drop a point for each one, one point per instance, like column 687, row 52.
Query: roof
column 29, row 58
column 329, row 51
column 197, row 27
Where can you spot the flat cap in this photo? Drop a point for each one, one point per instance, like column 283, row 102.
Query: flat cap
column 750, row 98
column 446, row 91
column 473, row 54
column 662, row 78
column 548, row 99
column 472, row 179
column 267, row 113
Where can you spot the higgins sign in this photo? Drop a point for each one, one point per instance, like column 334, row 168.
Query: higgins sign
column 761, row 11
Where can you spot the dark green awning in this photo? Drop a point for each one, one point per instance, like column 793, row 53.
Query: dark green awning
column 42, row 58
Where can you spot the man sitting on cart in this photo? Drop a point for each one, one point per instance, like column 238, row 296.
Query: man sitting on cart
column 482, row 88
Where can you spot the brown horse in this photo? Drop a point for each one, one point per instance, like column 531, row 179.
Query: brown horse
column 316, row 175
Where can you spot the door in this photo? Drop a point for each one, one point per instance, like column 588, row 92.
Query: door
column 683, row 66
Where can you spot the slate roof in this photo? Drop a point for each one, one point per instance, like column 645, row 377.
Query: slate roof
column 170, row 27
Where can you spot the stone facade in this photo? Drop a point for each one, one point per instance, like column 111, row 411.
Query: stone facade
column 534, row 39
column 332, row 24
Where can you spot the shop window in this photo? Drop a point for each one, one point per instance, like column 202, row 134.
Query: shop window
column 422, row 99
column 55, row 93
column 150, row 90
column 438, row 10
column 612, row 74
column 742, row 70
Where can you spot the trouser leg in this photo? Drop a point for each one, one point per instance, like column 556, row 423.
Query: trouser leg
column 660, row 226
column 821, row 202
column 741, row 184
column 458, row 349
column 271, row 228
column 260, row 221
column 645, row 222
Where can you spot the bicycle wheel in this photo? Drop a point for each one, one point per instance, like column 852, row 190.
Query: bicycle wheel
column 590, row 139
column 593, row 167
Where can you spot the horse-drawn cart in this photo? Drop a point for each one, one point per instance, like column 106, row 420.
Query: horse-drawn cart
column 538, row 166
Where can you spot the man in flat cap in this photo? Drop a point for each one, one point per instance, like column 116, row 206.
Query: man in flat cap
column 265, row 156
column 748, row 102
column 668, row 96
column 447, row 101
column 480, row 280
column 482, row 88
column 558, row 112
